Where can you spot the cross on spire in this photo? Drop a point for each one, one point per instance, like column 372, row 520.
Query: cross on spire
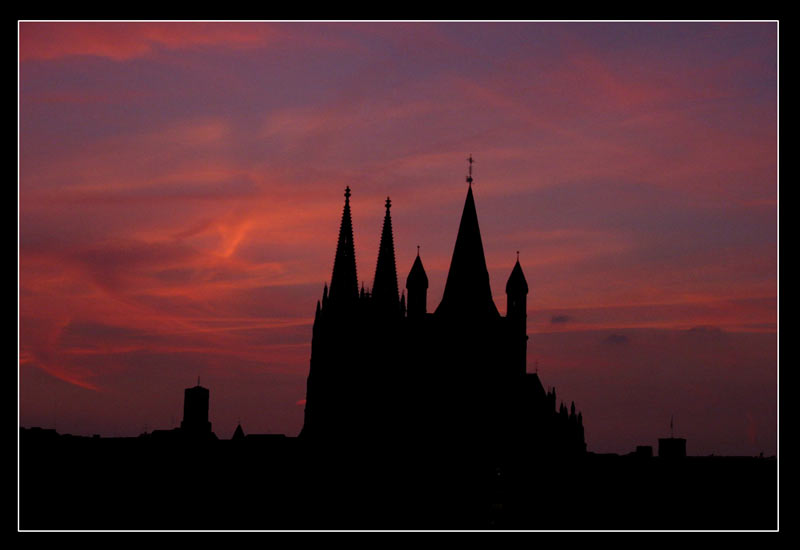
column 469, row 177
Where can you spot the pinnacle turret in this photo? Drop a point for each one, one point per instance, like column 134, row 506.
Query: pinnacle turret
column 417, row 286
column 417, row 277
column 516, row 283
column 384, row 290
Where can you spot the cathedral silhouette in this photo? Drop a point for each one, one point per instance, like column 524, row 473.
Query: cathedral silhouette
column 387, row 373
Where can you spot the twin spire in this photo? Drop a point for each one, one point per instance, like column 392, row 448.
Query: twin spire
column 344, row 281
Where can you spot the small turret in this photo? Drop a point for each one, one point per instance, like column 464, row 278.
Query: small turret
column 517, row 292
column 417, row 286
column 517, row 314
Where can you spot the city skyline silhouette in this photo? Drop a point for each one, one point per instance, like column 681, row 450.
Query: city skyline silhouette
column 386, row 270
column 458, row 435
column 180, row 208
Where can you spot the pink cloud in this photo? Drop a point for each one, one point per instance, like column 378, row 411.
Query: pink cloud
column 122, row 41
column 189, row 217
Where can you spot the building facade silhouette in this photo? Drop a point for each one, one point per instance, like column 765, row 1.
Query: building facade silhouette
column 385, row 371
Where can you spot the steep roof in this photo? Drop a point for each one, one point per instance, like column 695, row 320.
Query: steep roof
column 467, row 292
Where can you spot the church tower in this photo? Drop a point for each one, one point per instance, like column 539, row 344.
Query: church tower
column 195, row 411
column 332, row 340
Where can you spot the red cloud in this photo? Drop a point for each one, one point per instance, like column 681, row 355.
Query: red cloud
column 121, row 41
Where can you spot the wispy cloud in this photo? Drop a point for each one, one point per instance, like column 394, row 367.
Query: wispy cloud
column 181, row 187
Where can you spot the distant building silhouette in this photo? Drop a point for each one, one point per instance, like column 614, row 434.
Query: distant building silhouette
column 195, row 425
column 195, row 411
column 385, row 370
column 672, row 447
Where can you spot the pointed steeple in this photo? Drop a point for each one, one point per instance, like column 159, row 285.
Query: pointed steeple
column 417, row 277
column 384, row 290
column 467, row 291
column 516, row 283
column 417, row 285
column 344, row 282
column 517, row 316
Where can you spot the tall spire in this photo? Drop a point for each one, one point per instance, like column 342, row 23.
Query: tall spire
column 344, row 282
column 384, row 289
column 467, row 290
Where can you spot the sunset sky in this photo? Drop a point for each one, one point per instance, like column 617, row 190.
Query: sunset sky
column 181, row 187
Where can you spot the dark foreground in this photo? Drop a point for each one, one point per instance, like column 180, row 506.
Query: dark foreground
column 279, row 483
